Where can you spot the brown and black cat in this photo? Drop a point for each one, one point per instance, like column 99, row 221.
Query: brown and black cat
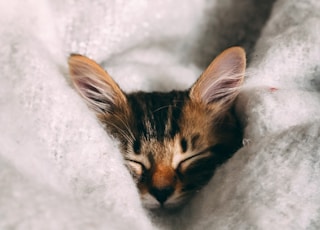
column 171, row 142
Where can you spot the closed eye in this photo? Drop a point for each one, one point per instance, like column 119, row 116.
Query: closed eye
column 135, row 167
column 185, row 163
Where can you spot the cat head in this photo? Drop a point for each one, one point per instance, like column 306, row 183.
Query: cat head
column 171, row 142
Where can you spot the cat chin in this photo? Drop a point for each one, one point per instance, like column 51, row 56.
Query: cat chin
column 149, row 202
column 164, row 207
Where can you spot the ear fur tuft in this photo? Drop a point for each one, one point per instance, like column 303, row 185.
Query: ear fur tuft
column 94, row 84
column 220, row 82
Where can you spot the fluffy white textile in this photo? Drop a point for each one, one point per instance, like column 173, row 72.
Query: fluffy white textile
column 60, row 170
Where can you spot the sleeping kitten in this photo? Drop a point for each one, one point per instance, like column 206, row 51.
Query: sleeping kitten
column 171, row 142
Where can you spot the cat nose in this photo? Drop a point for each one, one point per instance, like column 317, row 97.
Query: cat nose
column 162, row 194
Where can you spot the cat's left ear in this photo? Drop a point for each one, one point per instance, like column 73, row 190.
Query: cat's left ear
column 219, row 84
column 94, row 84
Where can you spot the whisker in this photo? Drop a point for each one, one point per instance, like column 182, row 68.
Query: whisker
column 125, row 125
column 122, row 132
column 167, row 106
column 160, row 108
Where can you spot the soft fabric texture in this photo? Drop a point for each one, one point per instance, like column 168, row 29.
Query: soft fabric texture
column 60, row 170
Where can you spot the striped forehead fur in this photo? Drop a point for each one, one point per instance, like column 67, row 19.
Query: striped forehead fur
column 157, row 114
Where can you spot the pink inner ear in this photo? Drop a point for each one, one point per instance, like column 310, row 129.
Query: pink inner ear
column 94, row 84
column 222, row 90
column 86, row 87
column 221, row 80
column 97, row 93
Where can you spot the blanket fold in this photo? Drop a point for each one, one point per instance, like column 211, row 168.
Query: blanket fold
column 60, row 170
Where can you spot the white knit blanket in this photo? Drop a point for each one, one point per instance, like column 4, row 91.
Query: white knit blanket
column 60, row 170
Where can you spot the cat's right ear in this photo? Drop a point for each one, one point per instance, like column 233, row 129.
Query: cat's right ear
column 95, row 85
